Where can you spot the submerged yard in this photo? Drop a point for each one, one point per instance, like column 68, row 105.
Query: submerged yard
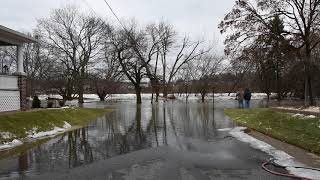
column 300, row 131
column 19, row 125
column 165, row 140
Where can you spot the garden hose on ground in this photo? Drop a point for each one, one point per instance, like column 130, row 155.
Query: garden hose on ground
column 271, row 161
column 299, row 167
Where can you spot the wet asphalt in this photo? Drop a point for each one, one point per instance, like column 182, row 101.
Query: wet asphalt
column 172, row 140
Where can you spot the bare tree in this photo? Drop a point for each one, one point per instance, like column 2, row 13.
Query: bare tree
column 301, row 19
column 76, row 38
column 158, row 42
column 186, row 80
column 204, row 69
column 146, row 49
column 107, row 76
column 126, row 54
column 187, row 51
column 163, row 35
column 37, row 63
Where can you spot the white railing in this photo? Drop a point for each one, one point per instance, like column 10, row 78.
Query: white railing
column 9, row 93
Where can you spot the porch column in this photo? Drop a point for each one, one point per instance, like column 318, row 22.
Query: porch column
column 20, row 69
column 22, row 79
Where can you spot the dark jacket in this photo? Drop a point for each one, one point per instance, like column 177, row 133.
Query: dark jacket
column 247, row 95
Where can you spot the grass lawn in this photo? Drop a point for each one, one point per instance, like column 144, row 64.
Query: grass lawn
column 302, row 132
column 18, row 124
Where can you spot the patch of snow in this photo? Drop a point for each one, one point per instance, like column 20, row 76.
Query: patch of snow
column 218, row 96
column 308, row 109
column 311, row 117
column 298, row 115
column 313, row 109
column 225, row 129
column 66, row 125
column 10, row 145
column 53, row 132
column 304, row 116
column 281, row 158
column 6, row 135
column 32, row 134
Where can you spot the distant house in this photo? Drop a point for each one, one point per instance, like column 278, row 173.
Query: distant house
column 13, row 87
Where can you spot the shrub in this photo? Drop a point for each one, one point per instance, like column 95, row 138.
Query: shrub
column 36, row 102
column 50, row 104
column 61, row 103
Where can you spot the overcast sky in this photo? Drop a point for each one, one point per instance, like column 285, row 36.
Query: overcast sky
column 197, row 18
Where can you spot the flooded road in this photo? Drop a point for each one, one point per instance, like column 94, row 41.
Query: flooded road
column 172, row 140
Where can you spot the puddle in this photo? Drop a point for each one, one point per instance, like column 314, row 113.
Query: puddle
column 195, row 128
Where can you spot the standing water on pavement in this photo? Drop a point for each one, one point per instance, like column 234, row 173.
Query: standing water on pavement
column 184, row 127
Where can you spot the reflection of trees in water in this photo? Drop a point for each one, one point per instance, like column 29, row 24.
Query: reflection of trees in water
column 103, row 139
column 154, row 121
column 123, row 132
column 157, row 125
column 203, row 111
column 80, row 151
column 195, row 120
column 133, row 138
column 23, row 163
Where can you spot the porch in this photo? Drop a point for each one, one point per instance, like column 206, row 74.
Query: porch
column 13, row 86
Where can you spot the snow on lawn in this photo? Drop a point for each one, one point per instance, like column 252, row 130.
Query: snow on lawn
column 298, row 115
column 308, row 109
column 219, row 96
column 281, row 158
column 147, row 96
column 56, row 130
column 32, row 134
column 6, row 135
column 10, row 145
column 311, row 117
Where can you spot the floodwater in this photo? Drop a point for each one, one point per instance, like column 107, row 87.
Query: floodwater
column 172, row 140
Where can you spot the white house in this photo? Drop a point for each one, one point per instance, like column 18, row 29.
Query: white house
column 13, row 87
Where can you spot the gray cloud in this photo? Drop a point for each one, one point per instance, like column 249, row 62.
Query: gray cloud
column 198, row 19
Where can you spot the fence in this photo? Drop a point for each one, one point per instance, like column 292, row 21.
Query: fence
column 9, row 93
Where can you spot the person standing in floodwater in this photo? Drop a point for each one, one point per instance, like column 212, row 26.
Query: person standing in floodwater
column 247, row 97
column 240, row 97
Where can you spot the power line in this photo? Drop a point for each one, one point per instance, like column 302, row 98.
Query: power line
column 115, row 15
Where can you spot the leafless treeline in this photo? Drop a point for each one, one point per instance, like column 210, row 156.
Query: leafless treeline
column 278, row 40
column 77, row 50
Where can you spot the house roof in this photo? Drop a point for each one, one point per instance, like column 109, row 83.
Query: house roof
column 9, row 37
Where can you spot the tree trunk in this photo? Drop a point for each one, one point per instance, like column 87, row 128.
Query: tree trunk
column 157, row 96
column 308, row 88
column 81, row 101
column 268, row 99
column 305, row 90
column 138, row 94
column 278, row 86
column 165, row 91
column 102, row 97
column 203, row 97
column 308, row 74
column 152, row 97
column 311, row 99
